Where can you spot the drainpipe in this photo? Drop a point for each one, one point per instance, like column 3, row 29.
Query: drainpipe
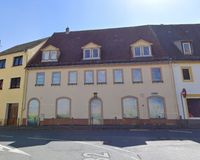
column 24, row 88
column 174, row 84
column 183, row 94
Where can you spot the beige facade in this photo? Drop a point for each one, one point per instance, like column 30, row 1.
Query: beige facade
column 110, row 94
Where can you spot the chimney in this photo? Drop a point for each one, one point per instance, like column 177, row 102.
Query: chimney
column 67, row 30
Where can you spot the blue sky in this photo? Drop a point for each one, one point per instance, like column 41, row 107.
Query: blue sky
column 26, row 20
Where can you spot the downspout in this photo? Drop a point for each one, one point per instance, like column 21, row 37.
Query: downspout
column 24, row 90
column 174, row 85
column 183, row 107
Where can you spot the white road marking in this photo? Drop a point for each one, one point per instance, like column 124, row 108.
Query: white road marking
column 12, row 150
column 6, row 136
column 180, row 131
column 96, row 156
column 115, row 149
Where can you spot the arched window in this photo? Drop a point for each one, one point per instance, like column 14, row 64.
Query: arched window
column 156, row 107
column 33, row 112
column 130, row 107
column 63, row 108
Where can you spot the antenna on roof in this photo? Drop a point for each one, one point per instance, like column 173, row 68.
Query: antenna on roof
column 67, row 30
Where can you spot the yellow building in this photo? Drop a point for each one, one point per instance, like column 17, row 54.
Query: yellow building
column 12, row 80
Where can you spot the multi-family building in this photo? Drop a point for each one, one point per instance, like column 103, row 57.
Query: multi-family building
column 109, row 76
column 182, row 42
column 122, row 76
column 12, row 80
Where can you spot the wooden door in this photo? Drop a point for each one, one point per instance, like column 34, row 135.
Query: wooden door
column 12, row 114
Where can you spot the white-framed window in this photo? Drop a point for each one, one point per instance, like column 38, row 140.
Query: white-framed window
column 72, row 77
column 136, row 75
column 40, row 79
column 141, row 51
column 63, row 108
column 91, row 53
column 187, row 48
column 118, row 76
column 130, row 107
column 156, row 107
column 156, row 74
column 56, row 78
column 49, row 56
column 101, row 77
column 89, row 77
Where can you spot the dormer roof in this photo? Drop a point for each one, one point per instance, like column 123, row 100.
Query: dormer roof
column 141, row 42
column 91, row 45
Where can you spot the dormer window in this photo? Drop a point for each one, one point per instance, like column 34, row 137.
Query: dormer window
column 91, row 51
column 187, row 48
column 141, row 48
column 142, row 51
column 50, row 54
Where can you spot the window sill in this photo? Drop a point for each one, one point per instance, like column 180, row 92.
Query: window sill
column 139, row 82
column 157, row 81
column 101, row 83
column 187, row 80
column 55, row 84
column 17, row 65
column 72, row 84
column 118, row 82
column 15, row 88
column 49, row 61
column 88, row 83
column 3, row 68
column 39, row 85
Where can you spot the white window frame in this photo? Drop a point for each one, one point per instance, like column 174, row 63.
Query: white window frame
column 85, row 77
column 50, row 53
column 91, row 54
column 141, row 51
column 52, row 82
column 114, row 76
column 190, row 50
column 98, row 77
column 132, row 73
column 69, row 82
column 37, row 74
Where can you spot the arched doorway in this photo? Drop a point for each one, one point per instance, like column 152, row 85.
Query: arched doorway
column 33, row 112
column 96, row 111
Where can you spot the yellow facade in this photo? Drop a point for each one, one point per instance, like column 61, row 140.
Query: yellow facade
column 10, row 96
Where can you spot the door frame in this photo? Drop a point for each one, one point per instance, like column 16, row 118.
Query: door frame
column 90, row 113
column 7, row 112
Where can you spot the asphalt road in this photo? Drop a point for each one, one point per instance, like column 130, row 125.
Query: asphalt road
column 109, row 144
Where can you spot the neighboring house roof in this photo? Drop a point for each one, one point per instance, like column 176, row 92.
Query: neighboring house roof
column 169, row 34
column 23, row 47
column 115, row 44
